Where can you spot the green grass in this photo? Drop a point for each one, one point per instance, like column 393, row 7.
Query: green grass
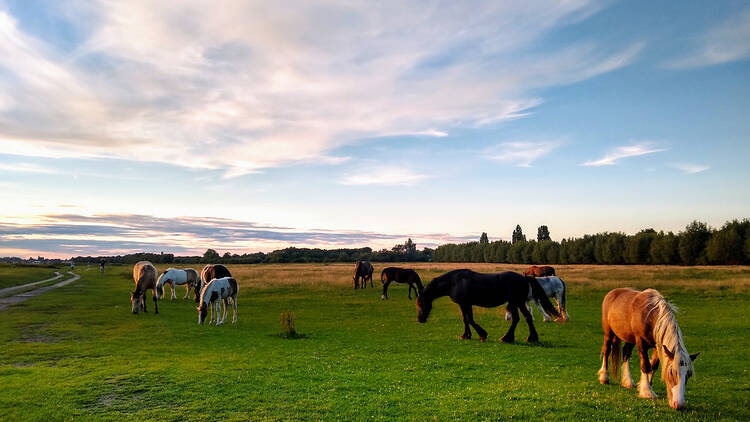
column 78, row 353
column 13, row 275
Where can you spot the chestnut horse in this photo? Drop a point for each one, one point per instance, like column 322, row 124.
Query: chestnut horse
column 467, row 288
column 362, row 270
column 208, row 273
column 144, row 276
column 644, row 319
column 539, row 271
column 401, row 275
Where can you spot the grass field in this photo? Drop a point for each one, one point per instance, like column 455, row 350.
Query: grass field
column 78, row 352
column 13, row 275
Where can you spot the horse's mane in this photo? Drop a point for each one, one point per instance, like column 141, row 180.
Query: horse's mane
column 667, row 332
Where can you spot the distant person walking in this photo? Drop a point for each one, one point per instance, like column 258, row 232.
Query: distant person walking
column 101, row 266
column 72, row 265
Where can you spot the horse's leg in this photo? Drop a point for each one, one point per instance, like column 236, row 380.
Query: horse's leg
column 482, row 333
column 143, row 303
column 644, row 386
column 533, row 336
column 654, row 365
column 171, row 287
column 385, row 289
column 510, row 336
column 627, row 380
column 225, row 302
column 507, row 314
column 370, row 277
column 410, row 287
column 156, row 305
column 606, row 350
column 546, row 316
column 187, row 290
column 465, row 310
column 234, row 305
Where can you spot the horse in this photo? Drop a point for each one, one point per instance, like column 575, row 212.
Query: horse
column 401, row 275
column 362, row 270
column 208, row 273
column 172, row 276
column 467, row 288
column 644, row 319
column 144, row 276
column 219, row 288
column 539, row 271
column 555, row 288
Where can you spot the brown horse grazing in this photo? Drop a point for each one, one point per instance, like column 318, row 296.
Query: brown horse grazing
column 144, row 276
column 539, row 271
column 467, row 288
column 362, row 270
column 401, row 275
column 644, row 319
column 208, row 273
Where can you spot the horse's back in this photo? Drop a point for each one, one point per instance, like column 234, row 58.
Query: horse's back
column 623, row 312
column 144, row 273
column 488, row 290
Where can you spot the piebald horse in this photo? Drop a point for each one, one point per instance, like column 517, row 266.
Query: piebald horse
column 144, row 276
column 644, row 319
column 213, row 294
column 555, row 288
column 174, row 277
column 467, row 288
column 208, row 273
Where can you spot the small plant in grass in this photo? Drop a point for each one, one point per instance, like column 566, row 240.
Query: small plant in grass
column 287, row 325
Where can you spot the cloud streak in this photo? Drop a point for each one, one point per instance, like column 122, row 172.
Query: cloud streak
column 622, row 152
column 521, row 154
column 385, row 176
column 689, row 168
column 249, row 86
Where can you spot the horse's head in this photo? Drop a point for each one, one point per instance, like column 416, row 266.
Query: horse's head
column 136, row 298
column 676, row 370
column 423, row 308
column 202, row 312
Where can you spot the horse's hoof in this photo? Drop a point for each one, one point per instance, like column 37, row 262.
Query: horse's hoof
column 483, row 339
column 627, row 385
column 507, row 339
column 531, row 339
column 463, row 337
column 156, row 313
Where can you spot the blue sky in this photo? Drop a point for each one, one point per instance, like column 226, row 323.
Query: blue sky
column 131, row 126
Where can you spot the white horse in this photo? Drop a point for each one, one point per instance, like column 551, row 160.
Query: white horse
column 174, row 277
column 213, row 294
column 555, row 288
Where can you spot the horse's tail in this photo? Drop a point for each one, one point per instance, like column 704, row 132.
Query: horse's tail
column 418, row 282
column 382, row 273
column 541, row 296
column 615, row 357
column 563, row 301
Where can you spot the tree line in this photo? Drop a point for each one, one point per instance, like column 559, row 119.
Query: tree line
column 697, row 244
column 406, row 252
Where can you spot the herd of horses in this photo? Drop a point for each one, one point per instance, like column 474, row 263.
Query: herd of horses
column 630, row 318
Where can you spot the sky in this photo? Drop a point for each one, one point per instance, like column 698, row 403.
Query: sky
column 251, row 126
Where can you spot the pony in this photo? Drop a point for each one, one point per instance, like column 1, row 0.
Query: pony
column 467, row 288
column 144, row 276
column 219, row 288
column 644, row 319
column 362, row 270
column 554, row 287
column 539, row 271
column 401, row 275
column 172, row 276
column 208, row 273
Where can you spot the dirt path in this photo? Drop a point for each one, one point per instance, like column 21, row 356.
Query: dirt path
column 21, row 297
column 8, row 290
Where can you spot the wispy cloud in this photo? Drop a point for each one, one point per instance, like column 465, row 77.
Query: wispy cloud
column 727, row 42
column 521, row 154
column 26, row 168
column 688, row 168
column 623, row 152
column 249, row 86
column 384, row 176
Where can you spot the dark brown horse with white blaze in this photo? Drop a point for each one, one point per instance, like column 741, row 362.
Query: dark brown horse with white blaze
column 144, row 276
column 362, row 270
column 467, row 288
column 401, row 275
column 644, row 319
column 535, row 271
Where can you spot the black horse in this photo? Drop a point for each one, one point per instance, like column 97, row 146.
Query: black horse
column 468, row 288
column 362, row 270
column 208, row 273
column 401, row 275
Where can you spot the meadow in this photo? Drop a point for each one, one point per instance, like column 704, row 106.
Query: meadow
column 78, row 353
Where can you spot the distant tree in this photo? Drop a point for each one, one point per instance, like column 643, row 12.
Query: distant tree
column 664, row 249
column 518, row 235
column 637, row 247
column 210, row 256
column 692, row 243
column 410, row 247
column 726, row 245
column 227, row 256
column 483, row 238
column 542, row 234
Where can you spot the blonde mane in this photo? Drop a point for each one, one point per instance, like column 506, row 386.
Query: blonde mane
column 667, row 333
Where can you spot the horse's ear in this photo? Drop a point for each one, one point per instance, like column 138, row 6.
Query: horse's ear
column 694, row 356
column 668, row 352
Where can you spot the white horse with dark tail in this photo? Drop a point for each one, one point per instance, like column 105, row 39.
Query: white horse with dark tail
column 555, row 288
column 216, row 292
column 174, row 277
